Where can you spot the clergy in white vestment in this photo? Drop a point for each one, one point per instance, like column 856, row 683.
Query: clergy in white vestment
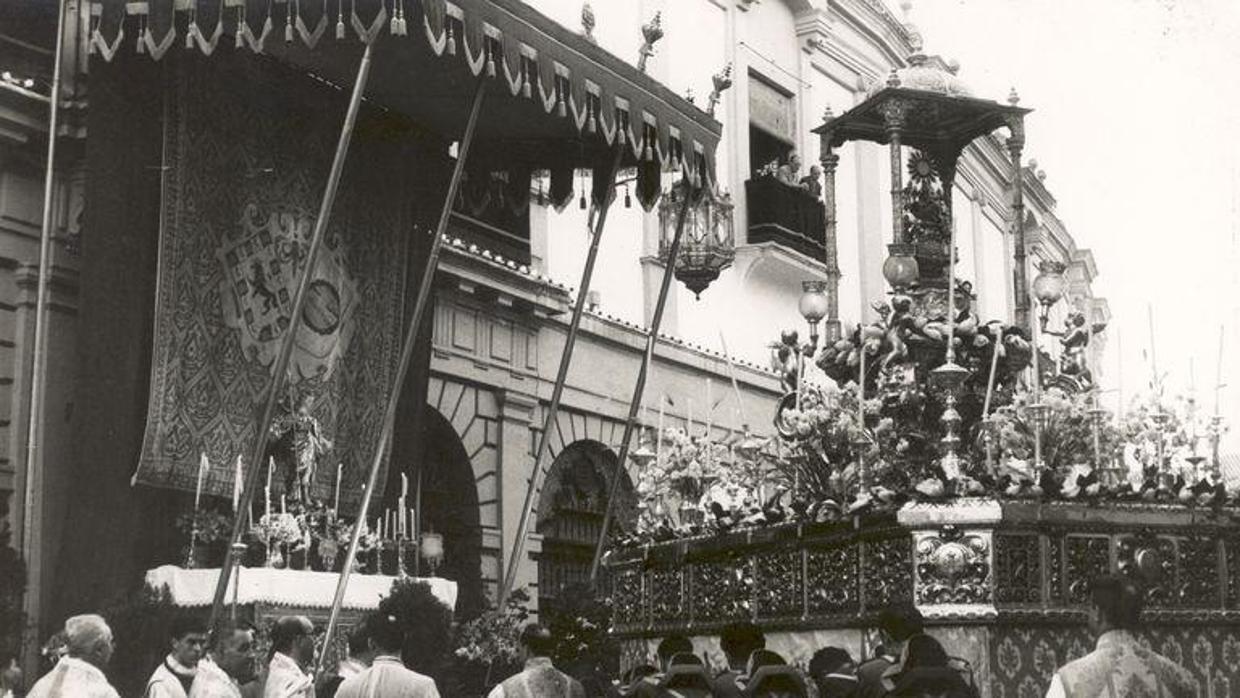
column 229, row 662
column 175, row 674
column 1120, row 667
column 80, row 673
column 292, row 645
column 540, row 679
column 387, row 676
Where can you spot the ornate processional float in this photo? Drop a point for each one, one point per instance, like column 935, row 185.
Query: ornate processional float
column 948, row 463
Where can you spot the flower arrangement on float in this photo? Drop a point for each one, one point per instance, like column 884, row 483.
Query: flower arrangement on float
column 835, row 455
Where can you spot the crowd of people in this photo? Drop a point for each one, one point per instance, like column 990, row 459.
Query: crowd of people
column 906, row 662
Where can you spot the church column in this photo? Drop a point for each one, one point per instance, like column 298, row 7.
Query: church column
column 518, row 413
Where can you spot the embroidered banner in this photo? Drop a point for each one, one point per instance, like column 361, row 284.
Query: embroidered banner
column 244, row 177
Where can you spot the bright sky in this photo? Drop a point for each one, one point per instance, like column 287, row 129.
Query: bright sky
column 1137, row 125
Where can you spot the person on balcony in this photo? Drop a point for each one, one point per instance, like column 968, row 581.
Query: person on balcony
column 1120, row 666
column 89, row 647
column 790, row 172
column 812, row 182
column 174, row 676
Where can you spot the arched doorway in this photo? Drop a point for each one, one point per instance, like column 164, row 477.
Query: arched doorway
column 449, row 500
column 570, row 515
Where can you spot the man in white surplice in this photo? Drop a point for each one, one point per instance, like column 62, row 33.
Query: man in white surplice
column 229, row 661
column 80, row 672
column 292, row 644
column 539, row 679
column 175, row 674
column 387, row 676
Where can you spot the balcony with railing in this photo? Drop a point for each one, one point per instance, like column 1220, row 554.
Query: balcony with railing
column 787, row 215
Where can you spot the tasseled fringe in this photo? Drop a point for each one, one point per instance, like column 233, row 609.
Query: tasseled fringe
column 190, row 32
column 451, row 40
column 288, row 22
column 339, row 19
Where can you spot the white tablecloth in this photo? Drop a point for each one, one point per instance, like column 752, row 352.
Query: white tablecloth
column 305, row 589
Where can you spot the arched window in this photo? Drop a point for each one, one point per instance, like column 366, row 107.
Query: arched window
column 570, row 515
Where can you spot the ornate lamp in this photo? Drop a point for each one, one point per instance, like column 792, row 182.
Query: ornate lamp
column 432, row 550
column 707, row 246
column 643, row 455
column 901, row 268
column 1048, row 287
column 814, row 306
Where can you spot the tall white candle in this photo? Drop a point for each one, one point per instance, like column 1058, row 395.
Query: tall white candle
column 710, row 410
column 339, row 475
column 404, row 485
column 658, row 439
column 271, row 466
column 283, row 504
column 237, row 484
column 203, row 466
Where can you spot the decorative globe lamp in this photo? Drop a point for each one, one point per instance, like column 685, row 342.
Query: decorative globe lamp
column 814, row 306
column 432, row 550
column 901, row 268
column 1048, row 287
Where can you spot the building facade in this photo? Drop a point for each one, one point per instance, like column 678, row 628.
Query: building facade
column 505, row 282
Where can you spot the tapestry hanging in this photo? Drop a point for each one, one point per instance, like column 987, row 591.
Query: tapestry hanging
column 244, row 177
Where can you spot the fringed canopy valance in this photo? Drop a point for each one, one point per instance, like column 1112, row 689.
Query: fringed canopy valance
column 559, row 101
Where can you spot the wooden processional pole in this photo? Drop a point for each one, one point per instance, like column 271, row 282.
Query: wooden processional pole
column 402, row 368
column 280, row 370
column 652, row 339
column 566, row 358
column 34, row 429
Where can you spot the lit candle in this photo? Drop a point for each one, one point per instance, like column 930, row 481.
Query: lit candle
column 658, row 441
column 339, row 474
column 283, row 505
column 400, row 517
column 413, row 527
column 404, row 485
column 237, row 484
column 203, row 466
column 271, row 465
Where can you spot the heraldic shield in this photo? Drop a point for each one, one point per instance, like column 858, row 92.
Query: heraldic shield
column 261, row 266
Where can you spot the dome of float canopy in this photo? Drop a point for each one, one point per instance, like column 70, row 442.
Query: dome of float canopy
column 929, row 75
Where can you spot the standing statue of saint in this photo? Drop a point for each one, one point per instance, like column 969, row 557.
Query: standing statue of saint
column 297, row 443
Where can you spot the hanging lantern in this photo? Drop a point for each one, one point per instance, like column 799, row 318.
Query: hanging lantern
column 707, row 245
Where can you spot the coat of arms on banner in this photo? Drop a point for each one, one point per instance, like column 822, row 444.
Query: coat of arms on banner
column 261, row 265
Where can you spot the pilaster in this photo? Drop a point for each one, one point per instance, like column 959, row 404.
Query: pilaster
column 517, row 428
